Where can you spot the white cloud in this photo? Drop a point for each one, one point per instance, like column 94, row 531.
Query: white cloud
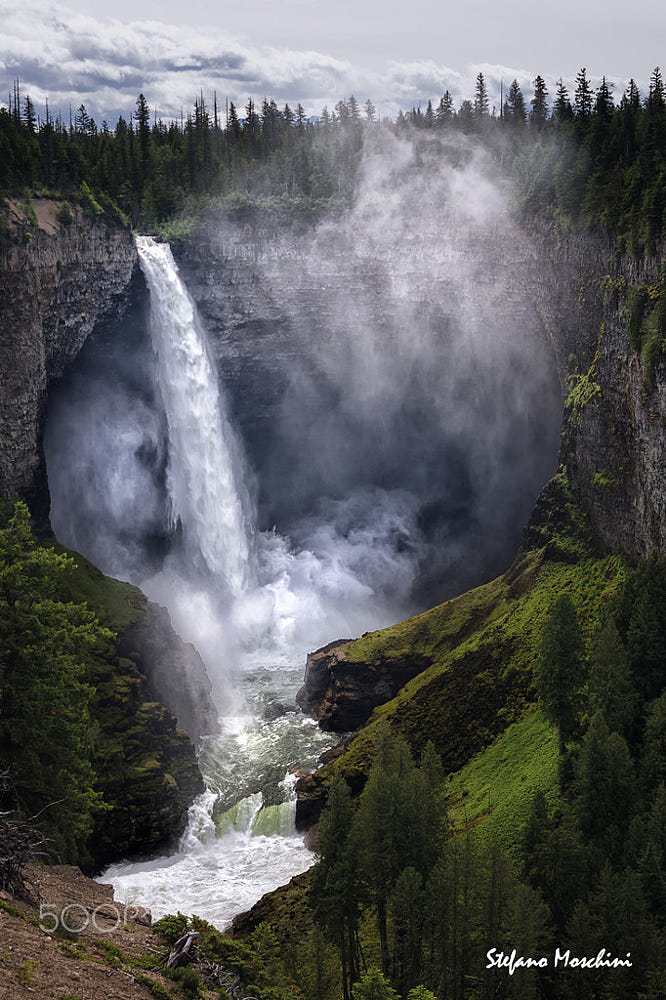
column 73, row 58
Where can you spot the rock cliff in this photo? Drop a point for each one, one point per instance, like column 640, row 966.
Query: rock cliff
column 55, row 288
column 341, row 693
column 613, row 447
column 145, row 762
column 175, row 673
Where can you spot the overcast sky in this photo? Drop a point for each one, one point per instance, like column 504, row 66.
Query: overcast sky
column 103, row 53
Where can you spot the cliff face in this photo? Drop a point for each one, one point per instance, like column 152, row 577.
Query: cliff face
column 54, row 290
column 149, row 686
column 613, row 445
column 175, row 672
column 341, row 693
column 145, row 762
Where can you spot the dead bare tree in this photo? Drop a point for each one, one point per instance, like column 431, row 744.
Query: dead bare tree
column 22, row 844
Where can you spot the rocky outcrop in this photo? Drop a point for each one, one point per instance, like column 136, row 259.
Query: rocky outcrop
column 56, row 287
column 613, row 445
column 145, row 762
column 174, row 671
column 54, row 290
column 341, row 694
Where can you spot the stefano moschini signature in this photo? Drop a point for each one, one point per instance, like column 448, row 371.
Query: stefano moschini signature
column 561, row 959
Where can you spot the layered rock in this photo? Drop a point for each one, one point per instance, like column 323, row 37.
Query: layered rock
column 613, row 446
column 146, row 764
column 54, row 290
column 175, row 673
column 341, row 693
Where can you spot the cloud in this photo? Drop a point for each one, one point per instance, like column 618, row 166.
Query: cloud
column 71, row 58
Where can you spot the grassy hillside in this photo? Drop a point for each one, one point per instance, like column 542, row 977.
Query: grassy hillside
column 476, row 701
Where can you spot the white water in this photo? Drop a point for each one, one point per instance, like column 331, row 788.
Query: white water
column 205, row 483
column 254, row 604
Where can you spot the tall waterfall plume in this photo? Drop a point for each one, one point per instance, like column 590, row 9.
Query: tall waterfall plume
column 206, row 487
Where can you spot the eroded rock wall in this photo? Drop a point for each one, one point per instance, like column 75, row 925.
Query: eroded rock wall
column 54, row 290
column 613, row 437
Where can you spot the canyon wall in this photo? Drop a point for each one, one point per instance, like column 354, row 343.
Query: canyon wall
column 613, row 447
column 55, row 288
column 152, row 696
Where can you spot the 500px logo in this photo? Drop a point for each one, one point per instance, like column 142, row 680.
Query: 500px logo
column 75, row 918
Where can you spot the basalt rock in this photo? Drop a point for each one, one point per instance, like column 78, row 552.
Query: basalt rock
column 174, row 671
column 613, row 445
column 341, row 694
column 146, row 764
column 54, row 290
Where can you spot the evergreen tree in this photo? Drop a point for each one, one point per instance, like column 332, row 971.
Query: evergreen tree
column 29, row 115
column 407, row 911
column 44, row 720
column 142, row 118
column 583, row 95
column 562, row 109
column 539, row 112
column 559, row 668
column 429, row 117
column 334, row 894
column 603, row 792
column 374, row 986
column 480, row 98
column 445, row 111
column 515, row 112
column 611, row 690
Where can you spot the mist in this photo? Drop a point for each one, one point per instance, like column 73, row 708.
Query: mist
column 393, row 405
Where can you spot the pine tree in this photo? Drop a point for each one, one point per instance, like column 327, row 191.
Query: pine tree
column 562, row 109
column 515, row 111
column 445, row 112
column 583, row 95
column 29, row 116
column 335, row 894
column 142, row 119
column 429, row 117
column 480, row 98
column 407, row 912
column 610, row 689
column 559, row 668
column 44, row 720
column 539, row 112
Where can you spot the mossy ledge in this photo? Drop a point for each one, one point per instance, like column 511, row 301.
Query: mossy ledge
column 146, row 765
column 479, row 648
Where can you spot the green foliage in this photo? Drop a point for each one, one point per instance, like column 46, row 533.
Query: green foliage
column 172, row 927
column 374, row 986
column 594, row 164
column 559, row 671
column 493, row 792
column 64, row 214
column 420, row 993
column 44, row 701
column 159, row 990
column 611, row 690
column 582, row 390
column 27, row 971
column 188, row 981
column 89, row 204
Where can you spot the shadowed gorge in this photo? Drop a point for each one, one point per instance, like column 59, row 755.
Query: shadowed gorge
column 390, row 409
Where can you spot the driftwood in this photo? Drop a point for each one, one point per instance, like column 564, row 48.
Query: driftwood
column 217, row 977
column 22, row 844
column 180, row 953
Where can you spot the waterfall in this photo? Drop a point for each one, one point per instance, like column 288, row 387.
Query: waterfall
column 206, row 489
